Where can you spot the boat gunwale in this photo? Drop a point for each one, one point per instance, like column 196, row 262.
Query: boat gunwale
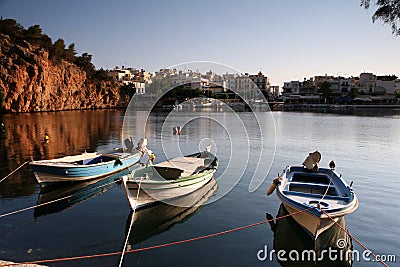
column 198, row 180
column 60, row 164
column 179, row 180
column 129, row 195
column 349, row 207
column 211, row 168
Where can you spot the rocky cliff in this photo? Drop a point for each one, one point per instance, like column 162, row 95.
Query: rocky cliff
column 30, row 81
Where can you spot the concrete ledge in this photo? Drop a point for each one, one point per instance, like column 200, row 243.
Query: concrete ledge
column 10, row 263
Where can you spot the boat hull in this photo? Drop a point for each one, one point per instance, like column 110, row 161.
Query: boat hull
column 160, row 217
column 49, row 173
column 314, row 225
column 318, row 199
column 151, row 192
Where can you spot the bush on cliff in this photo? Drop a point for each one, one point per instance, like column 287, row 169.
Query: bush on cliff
column 57, row 50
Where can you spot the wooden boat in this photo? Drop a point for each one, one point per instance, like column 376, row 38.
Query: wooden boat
column 321, row 189
column 160, row 217
column 86, row 166
column 169, row 179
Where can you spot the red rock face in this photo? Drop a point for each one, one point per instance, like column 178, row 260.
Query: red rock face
column 30, row 81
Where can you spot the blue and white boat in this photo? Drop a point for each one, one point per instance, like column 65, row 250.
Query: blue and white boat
column 82, row 167
column 321, row 193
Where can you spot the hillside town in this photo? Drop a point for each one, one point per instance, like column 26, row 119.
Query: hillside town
column 366, row 88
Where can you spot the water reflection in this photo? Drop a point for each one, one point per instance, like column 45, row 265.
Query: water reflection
column 72, row 193
column 332, row 248
column 70, row 132
column 161, row 217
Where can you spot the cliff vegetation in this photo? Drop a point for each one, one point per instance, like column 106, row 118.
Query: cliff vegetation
column 37, row 74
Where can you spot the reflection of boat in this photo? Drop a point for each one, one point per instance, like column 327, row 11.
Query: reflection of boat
column 318, row 191
column 82, row 167
column 71, row 193
column 169, row 179
column 332, row 247
column 161, row 217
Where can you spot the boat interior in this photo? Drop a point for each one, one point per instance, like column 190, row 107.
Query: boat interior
column 177, row 167
column 95, row 160
column 313, row 185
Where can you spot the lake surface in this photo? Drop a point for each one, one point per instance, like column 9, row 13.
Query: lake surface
column 366, row 150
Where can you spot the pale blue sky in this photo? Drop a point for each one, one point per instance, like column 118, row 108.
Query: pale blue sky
column 287, row 40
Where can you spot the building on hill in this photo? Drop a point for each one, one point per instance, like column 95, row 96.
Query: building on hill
column 137, row 78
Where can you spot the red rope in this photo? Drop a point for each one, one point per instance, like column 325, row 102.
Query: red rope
column 355, row 239
column 158, row 246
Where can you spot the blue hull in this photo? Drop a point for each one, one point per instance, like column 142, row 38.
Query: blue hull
column 49, row 172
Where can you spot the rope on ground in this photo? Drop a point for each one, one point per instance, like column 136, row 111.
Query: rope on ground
column 52, row 201
column 162, row 245
column 130, row 225
column 14, row 171
column 355, row 239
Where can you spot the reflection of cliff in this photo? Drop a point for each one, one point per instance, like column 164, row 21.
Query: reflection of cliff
column 70, row 133
column 30, row 81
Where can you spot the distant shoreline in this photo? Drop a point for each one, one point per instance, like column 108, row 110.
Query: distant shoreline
column 339, row 106
column 274, row 106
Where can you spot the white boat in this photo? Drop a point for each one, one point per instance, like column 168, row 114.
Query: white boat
column 160, row 217
column 320, row 193
column 169, row 179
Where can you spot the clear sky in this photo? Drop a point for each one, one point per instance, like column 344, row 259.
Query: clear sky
column 286, row 39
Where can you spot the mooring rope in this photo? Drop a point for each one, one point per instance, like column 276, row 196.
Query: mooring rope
column 355, row 239
column 130, row 225
column 14, row 171
column 326, row 191
column 160, row 245
column 55, row 200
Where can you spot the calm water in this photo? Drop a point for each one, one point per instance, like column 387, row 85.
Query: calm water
column 366, row 150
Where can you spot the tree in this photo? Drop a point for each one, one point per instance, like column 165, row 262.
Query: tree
column 33, row 34
column 11, row 28
column 57, row 50
column 325, row 89
column 388, row 12
column 102, row 75
column 46, row 42
column 128, row 89
column 353, row 93
column 70, row 53
column 85, row 62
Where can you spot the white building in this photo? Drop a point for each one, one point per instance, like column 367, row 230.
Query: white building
column 387, row 87
column 345, row 85
column 131, row 76
column 275, row 91
column 367, row 83
column 140, row 87
column 292, row 87
column 230, row 81
column 122, row 74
